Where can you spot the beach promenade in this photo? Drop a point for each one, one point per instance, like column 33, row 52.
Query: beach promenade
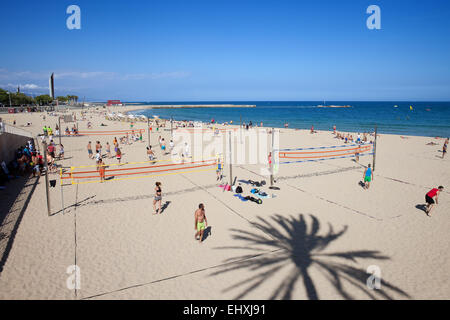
column 315, row 239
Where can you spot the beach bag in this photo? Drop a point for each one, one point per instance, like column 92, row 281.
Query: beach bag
column 238, row 189
column 227, row 187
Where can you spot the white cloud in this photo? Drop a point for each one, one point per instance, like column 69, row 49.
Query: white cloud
column 85, row 75
column 27, row 86
column 22, row 76
column 153, row 76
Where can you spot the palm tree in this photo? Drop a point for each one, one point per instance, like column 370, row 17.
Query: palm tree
column 303, row 247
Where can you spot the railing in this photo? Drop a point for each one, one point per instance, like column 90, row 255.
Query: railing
column 6, row 128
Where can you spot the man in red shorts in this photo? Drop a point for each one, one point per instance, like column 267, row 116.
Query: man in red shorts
column 433, row 193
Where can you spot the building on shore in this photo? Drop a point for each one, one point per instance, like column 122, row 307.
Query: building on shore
column 114, row 103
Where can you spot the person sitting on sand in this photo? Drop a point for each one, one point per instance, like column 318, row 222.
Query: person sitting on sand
column 433, row 193
column 368, row 176
column 200, row 223
column 312, row 129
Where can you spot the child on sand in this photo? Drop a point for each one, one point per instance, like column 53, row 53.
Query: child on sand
column 433, row 193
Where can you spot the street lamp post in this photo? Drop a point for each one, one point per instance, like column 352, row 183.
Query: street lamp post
column 9, row 94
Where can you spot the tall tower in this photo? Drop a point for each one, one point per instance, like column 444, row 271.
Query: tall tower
column 51, row 86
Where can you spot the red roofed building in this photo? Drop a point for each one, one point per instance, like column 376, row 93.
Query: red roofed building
column 114, row 103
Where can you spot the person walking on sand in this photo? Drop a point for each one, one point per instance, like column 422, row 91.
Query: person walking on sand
column 200, row 222
column 219, row 168
column 118, row 154
column 150, row 154
column 444, row 148
column 433, row 193
column 158, row 197
column 171, row 146
column 98, row 148
column 163, row 146
column 61, row 152
column 101, row 167
column 368, row 176
column 358, row 151
column 108, row 150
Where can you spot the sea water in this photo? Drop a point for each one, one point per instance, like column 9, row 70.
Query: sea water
column 404, row 118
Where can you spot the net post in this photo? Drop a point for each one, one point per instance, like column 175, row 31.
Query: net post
column 230, row 154
column 47, row 193
column 148, row 129
column 271, row 159
column 374, row 149
column 62, row 193
column 59, row 126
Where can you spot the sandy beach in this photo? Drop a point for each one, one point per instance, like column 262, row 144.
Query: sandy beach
column 315, row 239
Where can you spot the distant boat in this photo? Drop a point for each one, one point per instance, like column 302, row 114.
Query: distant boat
column 428, row 109
column 331, row 106
column 396, row 106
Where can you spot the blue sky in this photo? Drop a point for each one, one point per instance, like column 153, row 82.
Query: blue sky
column 229, row 50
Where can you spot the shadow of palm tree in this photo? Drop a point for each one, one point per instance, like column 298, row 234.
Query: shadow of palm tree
column 292, row 241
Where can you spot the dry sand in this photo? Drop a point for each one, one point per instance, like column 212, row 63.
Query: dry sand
column 315, row 239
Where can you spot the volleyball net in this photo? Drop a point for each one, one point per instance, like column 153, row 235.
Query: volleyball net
column 111, row 132
column 299, row 155
column 136, row 170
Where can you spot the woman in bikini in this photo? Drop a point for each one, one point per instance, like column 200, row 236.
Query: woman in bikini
column 101, row 169
column 118, row 154
column 158, row 197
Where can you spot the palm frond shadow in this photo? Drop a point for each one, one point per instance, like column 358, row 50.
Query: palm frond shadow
column 291, row 242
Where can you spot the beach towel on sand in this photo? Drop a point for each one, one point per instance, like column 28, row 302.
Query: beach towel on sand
column 240, row 197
